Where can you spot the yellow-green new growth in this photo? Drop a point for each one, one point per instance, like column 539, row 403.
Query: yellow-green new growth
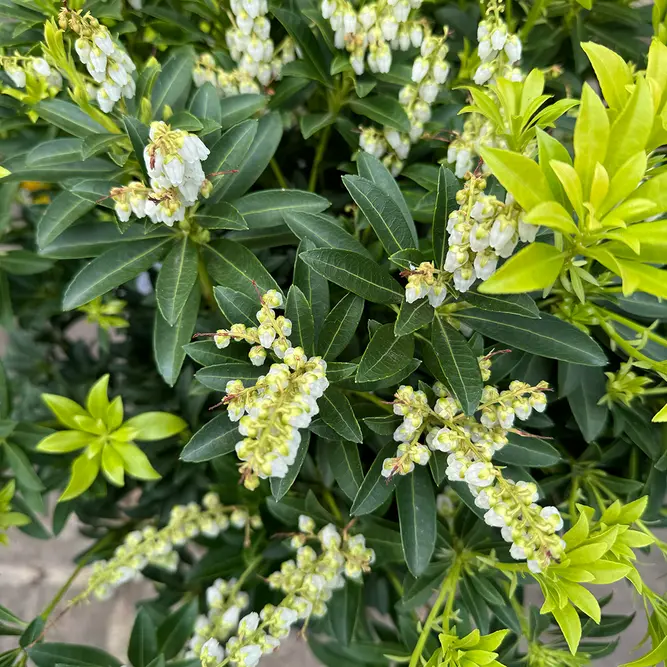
column 106, row 314
column 7, row 517
column 107, row 441
column 473, row 650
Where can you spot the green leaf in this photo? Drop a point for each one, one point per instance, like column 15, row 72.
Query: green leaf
column 237, row 108
column 536, row 266
column 355, row 273
column 445, row 203
column 297, row 309
column 139, row 137
column 340, row 326
column 68, row 117
column 112, row 465
column 205, row 353
column 551, row 149
column 548, row 337
column 345, row 464
column 176, row 279
column 236, row 307
column 111, row 269
column 385, row 355
column 84, row 473
column 258, row 156
column 372, row 169
column 654, row 657
column 56, row 151
column 528, row 452
column 336, row 412
column 23, row 263
column 25, row 474
column 344, row 608
column 312, row 123
column 456, row 366
column 174, row 81
column 519, row 175
column 5, row 394
column 227, row 154
column 205, row 104
column 586, row 386
column 552, row 214
column 62, row 442
column 612, row 73
column 313, row 285
column 644, row 277
column 300, row 32
column 97, row 400
column 220, row 216
column 417, row 517
column 175, row 630
column 323, row 231
column 65, row 209
column 155, row 425
column 267, row 208
column 382, row 213
column 232, row 265
column 143, row 640
column 570, row 625
column 216, row 377
column 48, row 654
column 280, row 486
column 216, row 438
column 514, row 304
column 339, row 370
column 375, row 488
column 384, row 110
column 413, row 316
column 168, row 341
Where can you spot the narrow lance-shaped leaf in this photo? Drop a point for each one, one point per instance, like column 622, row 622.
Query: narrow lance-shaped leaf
column 177, row 276
column 385, row 355
column 339, row 326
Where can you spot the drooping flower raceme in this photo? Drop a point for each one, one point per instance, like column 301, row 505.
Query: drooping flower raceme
column 470, row 443
column 156, row 547
column 174, row 163
column 106, row 61
column 29, row 72
column 307, row 582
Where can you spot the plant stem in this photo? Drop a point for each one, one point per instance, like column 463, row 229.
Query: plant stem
column 205, row 282
column 448, row 589
column 372, row 398
column 277, row 172
column 531, row 19
column 326, row 494
column 319, row 155
column 63, row 589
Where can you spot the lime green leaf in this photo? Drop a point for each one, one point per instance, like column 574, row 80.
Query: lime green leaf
column 570, row 625
column 654, row 657
column 84, row 472
column 587, row 554
column 551, row 149
column 661, row 415
column 156, row 425
column 97, row 401
column 112, row 465
column 651, row 237
column 519, row 175
column 64, row 409
column 583, row 599
column 61, row 442
column 135, row 462
column 644, row 277
column 591, row 136
column 624, row 182
column 571, row 184
column 552, row 215
column 114, row 416
column 612, row 72
column 608, row 571
column 578, row 533
column 534, row 267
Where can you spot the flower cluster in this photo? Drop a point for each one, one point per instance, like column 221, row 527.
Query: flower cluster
column 372, row 31
column 173, row 160
column 156, row 547
column 271, row 413
column 307, row 582
column 25, row 71
column 271, row 334
column 470, row 443
column 252, row 49
column 429, row 71
column 482, row 230
column 225, row 603
column 107, row 62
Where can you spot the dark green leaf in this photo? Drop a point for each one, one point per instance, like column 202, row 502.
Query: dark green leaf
column 314, row 122
column 111, row 269
column 337, row 413
column 385, row 355
column 68, row 117
column 513, row 304
column 417, row 518
column 297, row 309
column 267, row 208
column 528, row 452
column 26, row 476
column 216, row 377
column 339, row 370
column 548, row 337
column 384, row 110
column 176, row 629
column 355, row 273
column 586, row 386
column 280, row 486
column 206, row 353
column 454, row 364
column 413, row 316
column 143, row 640
column 236, row 306
column 313, row 285
column 323, row 231
column 384, row 425
column 94, row 145
column 220, row 216
column 344, row 610
column 174, row 81
column 5, row 395
column 445, row 203
column 54, row 152
column 176, row 279
column 205, row 104
column 346, row 466
column 49, row 654
column 239, row 107
column 216, row 438
column 139, row 137
column 65, row 209
column 23, row 263
column 375, row 488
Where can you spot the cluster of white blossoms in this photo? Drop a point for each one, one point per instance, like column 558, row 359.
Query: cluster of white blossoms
column 307, row 583
column 107, row 62
column 470, row 443
column 173, row 161
column 429, row 72
column 225, row 603
column 252, row 49
column 271, row 334
column 271, row 412
column 371, row 32
column 481, row 231
column 28, row 71
column 151, row 546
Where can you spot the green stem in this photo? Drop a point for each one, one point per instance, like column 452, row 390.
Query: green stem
column 277, row 172
column 372, row 398
column 533, row 16
column 326, row 494
column 656, row 391
column 448, row 589
column 63, row 589
column 319, row 155
column 205, row 282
